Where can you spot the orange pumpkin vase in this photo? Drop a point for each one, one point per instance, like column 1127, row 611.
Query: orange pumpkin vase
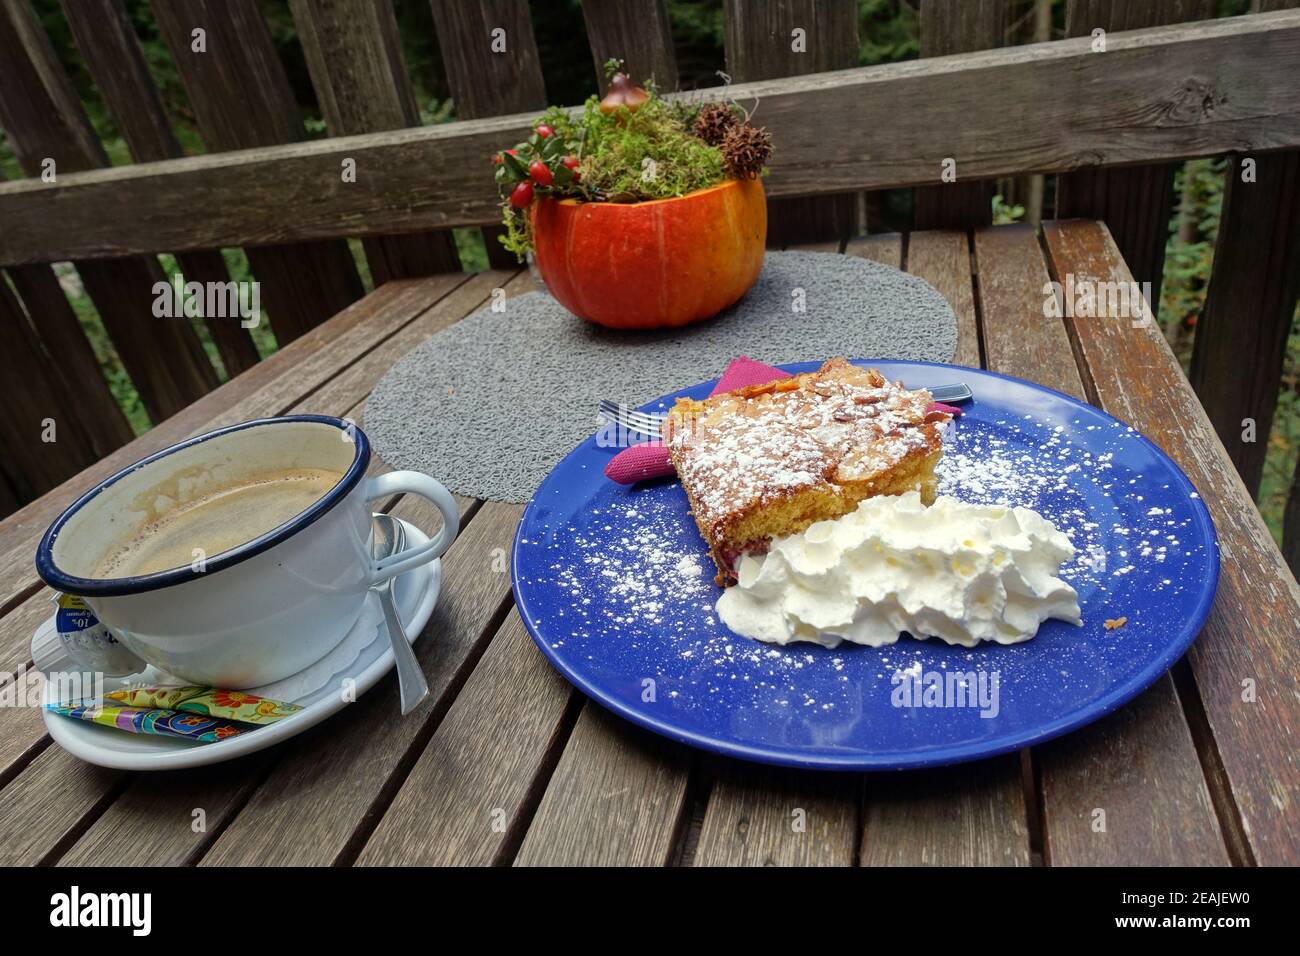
column 647, row 265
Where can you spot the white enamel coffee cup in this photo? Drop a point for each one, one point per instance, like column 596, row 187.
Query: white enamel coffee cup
column 268, row 608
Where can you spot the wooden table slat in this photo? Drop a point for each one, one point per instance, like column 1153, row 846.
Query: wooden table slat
column 24, row 730
column 1246, row 662
column 943, row 259
column 167, row 819
column 969, row 815
column 885, row 248
column 1138, row 756
column 771, row 816
column 1129, row 791
column 467, row 799
column 617, row 798
column 1019, row 338
column 49, row 803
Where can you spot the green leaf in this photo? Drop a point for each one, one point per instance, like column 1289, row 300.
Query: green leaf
column 553, row 148
column 515, row 165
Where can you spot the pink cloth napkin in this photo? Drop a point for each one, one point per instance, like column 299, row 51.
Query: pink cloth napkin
column 649, row 460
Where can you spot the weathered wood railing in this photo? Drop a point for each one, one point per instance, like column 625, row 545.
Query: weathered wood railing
column 1109, row 124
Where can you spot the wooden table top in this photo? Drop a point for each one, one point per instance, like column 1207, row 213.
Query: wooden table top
column 506, row 763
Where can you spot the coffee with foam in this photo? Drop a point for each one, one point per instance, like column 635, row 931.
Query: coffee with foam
column 222, row 518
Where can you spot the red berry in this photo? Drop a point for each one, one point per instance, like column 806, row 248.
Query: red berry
column 521, row 195
column 570, row 161
column 540, row 172
column 497, row 158
column 543, row 130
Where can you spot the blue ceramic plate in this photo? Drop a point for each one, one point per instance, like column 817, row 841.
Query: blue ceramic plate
column 616, row 586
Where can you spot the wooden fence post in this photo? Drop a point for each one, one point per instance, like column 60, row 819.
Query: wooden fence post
column 493, row 69
column 1241, row 335
column 84, row 393
column 1135, row 202
column 33, row 402
column 109, row 46
column 47, row 124
column 354, row 54
column 776, row 38
column 1028, row 21
column 948, row 27
column 635, row 31
column 241, row 99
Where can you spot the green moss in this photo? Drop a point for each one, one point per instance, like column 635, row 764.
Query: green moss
column 649, row 154
column 625, row 156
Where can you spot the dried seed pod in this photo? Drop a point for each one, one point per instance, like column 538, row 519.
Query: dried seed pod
column 745, row 151
column 713, row 121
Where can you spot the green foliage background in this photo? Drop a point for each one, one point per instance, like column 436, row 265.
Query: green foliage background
column 888, row 31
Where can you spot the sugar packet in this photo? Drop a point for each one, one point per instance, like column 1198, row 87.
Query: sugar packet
column 142, row 720
column 226, row 704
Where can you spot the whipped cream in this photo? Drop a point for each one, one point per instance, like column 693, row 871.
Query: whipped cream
column 961, row 572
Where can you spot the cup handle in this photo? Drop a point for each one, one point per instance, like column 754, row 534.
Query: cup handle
column 415, row 483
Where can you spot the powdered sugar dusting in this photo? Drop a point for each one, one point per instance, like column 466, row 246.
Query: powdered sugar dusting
column 1032, row 463
column 638, row 577
column 841, row 424
column 619, row 586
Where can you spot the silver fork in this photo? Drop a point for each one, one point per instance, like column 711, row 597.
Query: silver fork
column 648, row 423
column 629, row 419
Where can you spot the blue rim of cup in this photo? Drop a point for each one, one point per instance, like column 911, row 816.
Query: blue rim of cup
column 60, row 580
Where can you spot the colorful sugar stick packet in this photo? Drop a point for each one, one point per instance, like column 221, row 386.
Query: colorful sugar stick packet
column 141, row 720
column 225, row 704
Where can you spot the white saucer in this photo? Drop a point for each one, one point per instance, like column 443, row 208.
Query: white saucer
column 363, row 656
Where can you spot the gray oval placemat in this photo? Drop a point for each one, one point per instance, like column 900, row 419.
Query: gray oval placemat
column 489, row 405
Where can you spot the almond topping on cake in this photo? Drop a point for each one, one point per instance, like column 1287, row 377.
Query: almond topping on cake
column 769, row 460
